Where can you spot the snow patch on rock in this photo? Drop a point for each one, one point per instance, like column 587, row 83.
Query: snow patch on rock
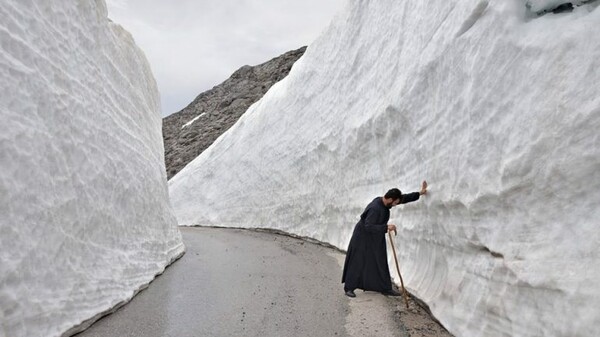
column 193, row 120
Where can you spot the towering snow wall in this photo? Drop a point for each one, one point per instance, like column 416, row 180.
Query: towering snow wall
column 496, row 106
column 85, row 219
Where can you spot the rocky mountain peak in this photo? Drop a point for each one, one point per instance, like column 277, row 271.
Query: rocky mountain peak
column 190, row 131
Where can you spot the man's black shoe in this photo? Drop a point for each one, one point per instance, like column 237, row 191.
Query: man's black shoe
column 350, row 293
column 391, row 292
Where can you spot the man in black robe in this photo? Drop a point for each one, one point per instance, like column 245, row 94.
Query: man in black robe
column 366, row 265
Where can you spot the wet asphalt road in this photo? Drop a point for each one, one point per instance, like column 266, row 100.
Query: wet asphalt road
column 234, row 282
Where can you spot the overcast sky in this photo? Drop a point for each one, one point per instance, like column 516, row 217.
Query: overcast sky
column 193, row 45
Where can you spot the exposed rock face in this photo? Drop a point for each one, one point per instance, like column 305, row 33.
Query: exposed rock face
column 216, row 110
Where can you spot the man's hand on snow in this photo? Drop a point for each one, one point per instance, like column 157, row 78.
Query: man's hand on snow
column 423, row 188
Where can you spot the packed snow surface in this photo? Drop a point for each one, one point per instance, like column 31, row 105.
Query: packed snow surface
column 85, row 217
column 499, row 110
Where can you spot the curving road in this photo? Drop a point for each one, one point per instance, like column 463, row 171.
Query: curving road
column 234, row 282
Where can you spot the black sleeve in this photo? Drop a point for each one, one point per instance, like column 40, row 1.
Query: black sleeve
column 371, row 222
column 410, row 197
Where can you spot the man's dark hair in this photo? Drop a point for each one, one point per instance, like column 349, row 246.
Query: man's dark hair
column 394, row 194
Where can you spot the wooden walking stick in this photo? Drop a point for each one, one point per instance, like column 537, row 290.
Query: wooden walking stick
column 398, row 269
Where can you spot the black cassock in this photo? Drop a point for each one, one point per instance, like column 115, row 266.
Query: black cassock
column 366, row 265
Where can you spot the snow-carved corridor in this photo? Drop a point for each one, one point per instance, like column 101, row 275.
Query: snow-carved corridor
column 498, row 111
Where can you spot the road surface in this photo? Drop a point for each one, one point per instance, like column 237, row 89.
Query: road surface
column 234, row 282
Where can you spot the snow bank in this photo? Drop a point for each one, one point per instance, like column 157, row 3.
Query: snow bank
column 498, row 110
column 85, row 217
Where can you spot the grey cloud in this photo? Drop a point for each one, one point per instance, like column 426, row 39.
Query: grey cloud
column 194, row 45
